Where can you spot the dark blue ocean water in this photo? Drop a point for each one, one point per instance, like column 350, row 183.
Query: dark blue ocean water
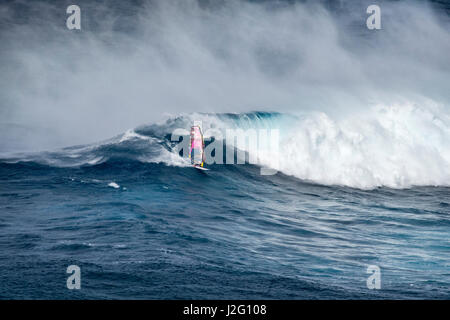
column 173, row 232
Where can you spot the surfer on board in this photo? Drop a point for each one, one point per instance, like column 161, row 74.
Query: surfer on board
column 197, row 147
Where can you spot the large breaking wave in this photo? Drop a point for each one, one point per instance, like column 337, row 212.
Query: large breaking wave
column 397, row 146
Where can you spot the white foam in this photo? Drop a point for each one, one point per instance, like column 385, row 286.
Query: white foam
column 398, row 146
column 113, row 185
column 168, row 158
column 95, row 161
column 131, row 134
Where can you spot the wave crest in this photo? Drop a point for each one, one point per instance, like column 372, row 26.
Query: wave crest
column 396, row 146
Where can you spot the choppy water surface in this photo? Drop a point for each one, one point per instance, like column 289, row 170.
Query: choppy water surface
column 154, row 229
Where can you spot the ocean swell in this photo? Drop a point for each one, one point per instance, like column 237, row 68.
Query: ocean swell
column 396, row 146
